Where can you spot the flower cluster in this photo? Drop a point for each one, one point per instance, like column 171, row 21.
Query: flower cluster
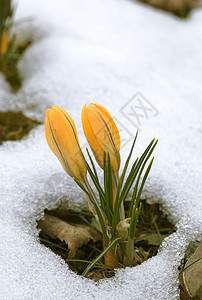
column 117, row 226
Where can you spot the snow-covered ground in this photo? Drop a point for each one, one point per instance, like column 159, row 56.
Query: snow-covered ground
column 102, row 51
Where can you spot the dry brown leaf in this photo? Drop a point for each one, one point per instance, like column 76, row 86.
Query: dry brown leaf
column 172, row 5
column 192, row 276
column 72, row 233
column 151, row 238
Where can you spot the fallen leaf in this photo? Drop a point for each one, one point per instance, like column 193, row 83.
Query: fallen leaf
column 73, row 234
column 172, row 5
column 151, row 239
column 192, row 274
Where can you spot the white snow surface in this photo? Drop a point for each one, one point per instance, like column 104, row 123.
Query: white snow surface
column 102, row 51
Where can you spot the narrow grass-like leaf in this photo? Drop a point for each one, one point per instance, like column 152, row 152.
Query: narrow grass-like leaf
column 198, row 290
column 97, row 209
column 118, row 201
column 131, row 174
column 133, row 222
column 109, row 186
column 144, row 180
column 98, row 186
column 134, row 172
column 91, row 265
column 108, row 209
column 81, row 186
column 96, row 182
column 93, row 165
column 142, row 168
column 126, row 254
column 119, row 207
column 102, row 224
column 115, row 218
column 190, row 265
column 128, row 160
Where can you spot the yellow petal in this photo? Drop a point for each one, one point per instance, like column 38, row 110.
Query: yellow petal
column 62, row 138
column 4, row 42
column 98, row 151
column 111, row 121
column 101, row 133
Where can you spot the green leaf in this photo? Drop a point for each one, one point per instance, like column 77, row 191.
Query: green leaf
column 133, row 222
column 95, row 224
column 91, row 265
column 134, row 196
column 97, row 209
column 102, row 224
column 115, row 218
column 96, row 182
column 92, row 163
column 134, row 171
column 118, row 201
column 128, row 160
column 140, row 189
column 144, row 180
column 109, row 187
column 97, row 185
column 81, row 186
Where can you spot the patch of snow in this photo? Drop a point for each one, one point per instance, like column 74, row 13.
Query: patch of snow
column 102, row 51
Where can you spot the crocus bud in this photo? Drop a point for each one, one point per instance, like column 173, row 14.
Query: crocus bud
column 102, row 134
column 62, row 138
column 4, row 42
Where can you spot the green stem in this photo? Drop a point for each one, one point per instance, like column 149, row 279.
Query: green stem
column 91, row 265
column 129, row 251
column 91, row 206
column 121, row 210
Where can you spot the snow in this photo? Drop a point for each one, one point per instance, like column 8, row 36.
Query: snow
column 102, row 51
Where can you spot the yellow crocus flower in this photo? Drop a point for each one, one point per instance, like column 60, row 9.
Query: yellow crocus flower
column 102, row 134
column 62, row 138
column 4, row 42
